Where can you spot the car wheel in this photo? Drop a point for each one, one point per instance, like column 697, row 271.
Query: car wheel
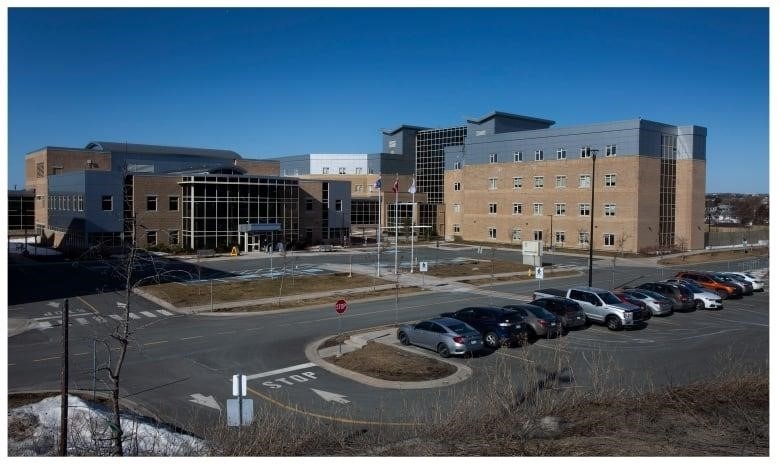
column 699, row 305
column 443, row 350
column 491, row 340
column 613, row 323
column 723, row 294
column 404, row 338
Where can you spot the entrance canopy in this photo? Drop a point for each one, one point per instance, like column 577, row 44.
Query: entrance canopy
column 256, row 228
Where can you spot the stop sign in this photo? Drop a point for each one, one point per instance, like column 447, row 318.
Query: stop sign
column 341, row 306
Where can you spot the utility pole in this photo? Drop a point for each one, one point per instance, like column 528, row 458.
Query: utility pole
column 63, row 446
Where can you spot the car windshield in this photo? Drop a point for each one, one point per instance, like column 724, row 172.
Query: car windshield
column 539, row 312
column 718, row 278
column 654, row 295
column 609, row 298
column 693, row 286
column 458, row 328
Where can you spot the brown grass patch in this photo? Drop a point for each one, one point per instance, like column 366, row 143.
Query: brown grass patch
column 477, row 267
column 392, row 364
column 715, row 256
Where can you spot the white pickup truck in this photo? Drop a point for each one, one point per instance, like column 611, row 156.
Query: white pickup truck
column 599, row 305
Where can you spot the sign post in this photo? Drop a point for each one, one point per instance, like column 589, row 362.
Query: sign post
column 341, row 307
column 423, row 270
column 539, row 275
column 240, row 411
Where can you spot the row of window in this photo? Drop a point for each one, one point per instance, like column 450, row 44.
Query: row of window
column 610, row 180
column 66, row 203
column 585, row 152
column 343, row 170
column 538, row 235
column 173, row 237
column 610, row 209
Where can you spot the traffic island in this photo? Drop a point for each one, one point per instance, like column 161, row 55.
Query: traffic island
column 377, row 359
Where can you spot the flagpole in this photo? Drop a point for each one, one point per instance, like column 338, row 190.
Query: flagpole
column 414, row 190
column 379, row 232
column 396, row 226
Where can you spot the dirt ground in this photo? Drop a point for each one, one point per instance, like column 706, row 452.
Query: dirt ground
column 392, row 364
column 715, row 256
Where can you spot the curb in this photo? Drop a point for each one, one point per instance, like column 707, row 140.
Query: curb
column 312, row 353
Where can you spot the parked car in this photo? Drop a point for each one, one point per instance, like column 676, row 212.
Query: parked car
column 540, row 321
column 645, row 314
column 712, row 282
column 498, row 326
column 704, row 298
column 758, row 284
column 747, row 288
column 599, row 305
column 447, row 336
column 657, row 303
column 682, row 298
column 568, row 311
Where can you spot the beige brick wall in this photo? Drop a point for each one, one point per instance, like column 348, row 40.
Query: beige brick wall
column 259, row 167
column 635, row 196
column 163, row 219
column 690, row 224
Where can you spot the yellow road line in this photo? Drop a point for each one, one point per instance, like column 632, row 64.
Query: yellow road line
column 94, row 310
column 329, row 417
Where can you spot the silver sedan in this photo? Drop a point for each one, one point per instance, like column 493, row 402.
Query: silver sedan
column 657, row 303
column 447, row 336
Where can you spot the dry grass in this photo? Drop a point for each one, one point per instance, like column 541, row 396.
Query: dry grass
column 477, row 267
column 392, row 364
column 187, row 295
column 714, row 256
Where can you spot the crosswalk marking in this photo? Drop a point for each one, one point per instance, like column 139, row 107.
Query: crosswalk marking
column 149, row 314
column 116, row 317
column 99, row 319
column 82, row 321
column 164, row 312
column 86, row 318
column 133, row 316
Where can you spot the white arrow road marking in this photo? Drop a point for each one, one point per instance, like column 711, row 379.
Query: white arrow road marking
column 53, row 304
column 209, row 401
column 331, row 397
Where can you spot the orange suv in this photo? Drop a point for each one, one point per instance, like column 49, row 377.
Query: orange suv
column 713, row 283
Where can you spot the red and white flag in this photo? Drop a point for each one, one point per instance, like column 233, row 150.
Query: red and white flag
column 395, row 185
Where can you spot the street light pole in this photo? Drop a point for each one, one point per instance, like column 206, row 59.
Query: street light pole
column 552, row 251
column 592, row 153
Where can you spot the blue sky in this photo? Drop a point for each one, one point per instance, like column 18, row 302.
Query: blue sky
column 271, row 82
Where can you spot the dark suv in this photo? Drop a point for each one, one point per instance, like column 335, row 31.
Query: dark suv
column 569, row 311
column 497, row 325
column 682, row 298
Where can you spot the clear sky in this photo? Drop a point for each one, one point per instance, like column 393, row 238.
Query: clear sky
column 272, row 82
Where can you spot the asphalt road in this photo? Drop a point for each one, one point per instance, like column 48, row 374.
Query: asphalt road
column 180, row 366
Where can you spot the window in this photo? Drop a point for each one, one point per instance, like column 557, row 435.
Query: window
column 81, row 203
column 455, row 228
column 539, row 155
column 456, row 165
column 538, row 181
column 40, row 170
column 610, row 180
column 173, row 237
column 584, row 209
column 173, row 203
column 325, row 170
column 560, row 237
column 456, row 186
column 358, row 170
column 517, row 234
column 342, row 170
column 538, row 234
column 561, row 154
column 560, row 209
column 493, row 183
column 583, row 238
column 517, row 182
column 538, row 209
column 456, row 207
column 611, row 150
column 493, row 158
column 151, row 237
column 107, row 202
column 585, row 152
column 584, row 180
column 560, row 181
column 309, row 204
column 492, row 208
column 518, row 157
column 517, row 208
column 609, row 240
column 358, row 187
column 609, row 209
column 339, row 205
column 491, row 233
